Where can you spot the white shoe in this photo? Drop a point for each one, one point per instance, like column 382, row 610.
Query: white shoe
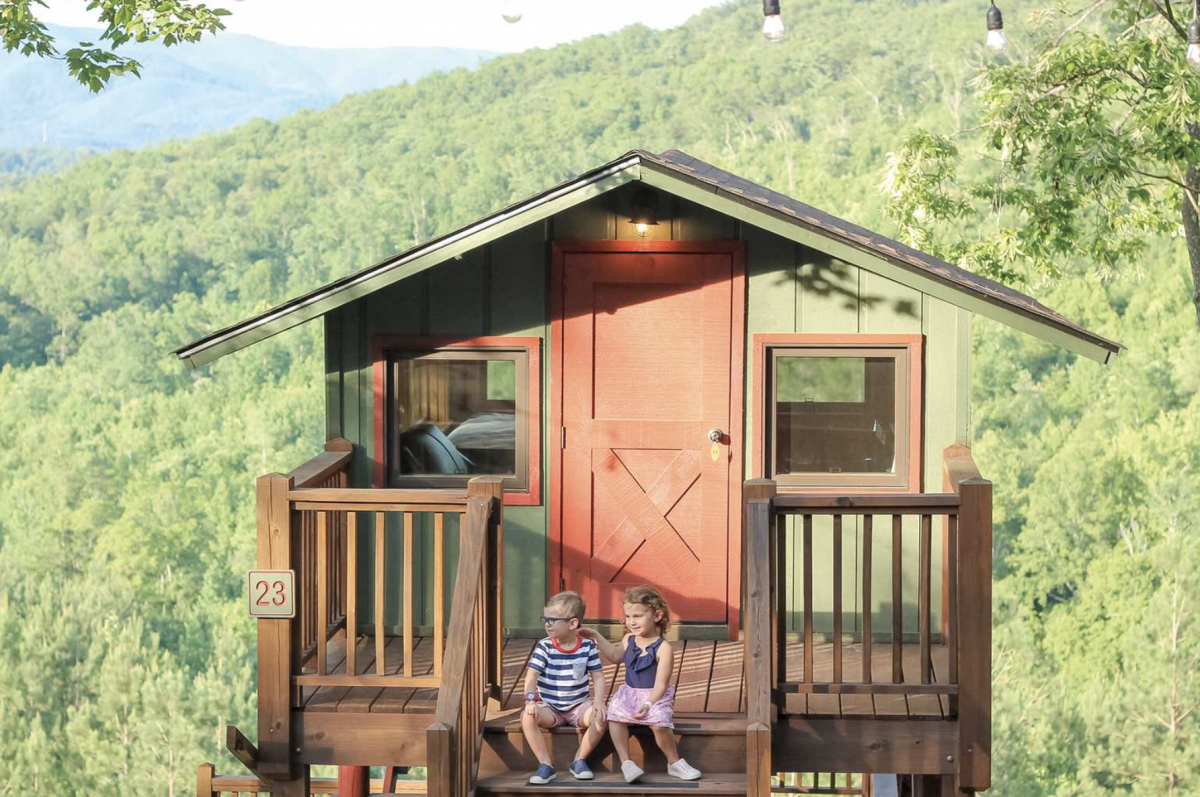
column 632, row 771
column 683, row 770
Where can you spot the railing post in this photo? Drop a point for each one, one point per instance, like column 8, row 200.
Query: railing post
column 204, row 780
column 493, row 487
column 760, row 634
column 274, row 635
column 975, row 635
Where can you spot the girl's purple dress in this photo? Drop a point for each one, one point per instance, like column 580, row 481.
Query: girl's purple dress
column 640, row 672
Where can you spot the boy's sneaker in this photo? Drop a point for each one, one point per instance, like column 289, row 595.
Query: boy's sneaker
column 631, row 771
column 545, row 774
column 683, row 770
column 580, row 770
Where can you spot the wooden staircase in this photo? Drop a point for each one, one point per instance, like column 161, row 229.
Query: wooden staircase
column 714, row 743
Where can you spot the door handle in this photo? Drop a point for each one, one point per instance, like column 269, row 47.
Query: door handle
column 715, row 435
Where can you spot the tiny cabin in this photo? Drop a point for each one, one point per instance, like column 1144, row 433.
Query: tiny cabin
column 656, row 372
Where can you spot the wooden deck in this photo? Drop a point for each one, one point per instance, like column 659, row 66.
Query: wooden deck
column 709, row 680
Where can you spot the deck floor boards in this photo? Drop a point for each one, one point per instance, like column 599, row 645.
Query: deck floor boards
column 709, row 678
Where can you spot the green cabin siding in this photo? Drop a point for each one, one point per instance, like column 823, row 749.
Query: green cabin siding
column 501, row 289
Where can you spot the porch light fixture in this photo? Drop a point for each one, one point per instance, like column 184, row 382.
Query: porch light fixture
column 996, row 41
column 645, row 212
column 512, row 10
column 772, row 21
column 1193, row 31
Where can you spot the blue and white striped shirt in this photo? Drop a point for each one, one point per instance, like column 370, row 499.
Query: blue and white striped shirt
column 563, row 677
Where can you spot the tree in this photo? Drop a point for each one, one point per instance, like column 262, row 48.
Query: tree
column 1096, row 135
column 168, row 21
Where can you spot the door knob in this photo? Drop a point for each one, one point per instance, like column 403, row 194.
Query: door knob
column 715, row 435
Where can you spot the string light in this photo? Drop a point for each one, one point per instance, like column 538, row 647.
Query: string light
column 772, row 21
column 996, row 40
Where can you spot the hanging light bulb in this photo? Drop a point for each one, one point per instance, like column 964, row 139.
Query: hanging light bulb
column 996, row 41
column 1193, row 50
column 772, row 21
column 512, row 10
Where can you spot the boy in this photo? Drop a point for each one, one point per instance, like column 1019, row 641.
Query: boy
column 556, row 686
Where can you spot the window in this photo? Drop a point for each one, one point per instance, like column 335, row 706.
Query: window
column 453, row 411
column 838, row 411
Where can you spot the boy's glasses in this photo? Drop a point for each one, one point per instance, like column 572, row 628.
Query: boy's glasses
column 552, row 620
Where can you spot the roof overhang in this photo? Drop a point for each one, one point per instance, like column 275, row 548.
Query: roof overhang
column 698, row 182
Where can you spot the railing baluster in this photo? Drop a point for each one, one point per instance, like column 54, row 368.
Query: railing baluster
column 837, row 599
column 779, row 610
column 439, row 596
column 352, row 593
column 409, row 598
column 952, row 606
column 380, row 551
column 808, row 609
column 897, row 602
column 866, row 597
column 924, row 599
column 322, row 589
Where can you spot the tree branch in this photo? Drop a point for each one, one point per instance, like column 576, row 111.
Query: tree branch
column 1169, row 17
column 1079, row 21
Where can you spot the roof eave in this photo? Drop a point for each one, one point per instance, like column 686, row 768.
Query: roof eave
column 316, row 303
column 759, row 214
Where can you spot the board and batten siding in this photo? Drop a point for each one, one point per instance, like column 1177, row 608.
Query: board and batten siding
column 795, row 289
column 501, row 290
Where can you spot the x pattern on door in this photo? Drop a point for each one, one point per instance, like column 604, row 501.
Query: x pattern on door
column 645, row 521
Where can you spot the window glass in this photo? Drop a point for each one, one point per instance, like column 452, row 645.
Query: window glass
column 834, row 413
column 457, row 414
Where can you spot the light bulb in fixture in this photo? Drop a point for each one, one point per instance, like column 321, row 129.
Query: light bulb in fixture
column 512, row 10
column 772, row 29
column 997, row 42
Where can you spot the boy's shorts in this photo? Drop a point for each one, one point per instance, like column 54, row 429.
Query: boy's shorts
column 572, row 716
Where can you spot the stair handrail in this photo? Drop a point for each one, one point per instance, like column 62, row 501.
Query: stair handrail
column 453, row 740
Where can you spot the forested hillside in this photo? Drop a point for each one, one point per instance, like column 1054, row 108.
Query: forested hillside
column 126, row 481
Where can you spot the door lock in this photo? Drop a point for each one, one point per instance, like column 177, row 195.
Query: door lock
column 715, row 435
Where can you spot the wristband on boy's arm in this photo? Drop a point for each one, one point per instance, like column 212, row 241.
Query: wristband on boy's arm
column 531, row 697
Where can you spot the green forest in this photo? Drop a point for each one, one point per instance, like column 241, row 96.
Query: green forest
column 127, row 509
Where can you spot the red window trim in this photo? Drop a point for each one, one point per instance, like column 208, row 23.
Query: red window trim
column 916, row 409
column 533, row 347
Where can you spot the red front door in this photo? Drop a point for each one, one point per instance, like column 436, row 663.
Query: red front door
column 648, row 343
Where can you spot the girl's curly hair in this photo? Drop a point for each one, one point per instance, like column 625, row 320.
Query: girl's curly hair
column 653, row 600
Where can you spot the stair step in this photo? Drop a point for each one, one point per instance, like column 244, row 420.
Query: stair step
column 716, row 741
column 721, row 783
column 685, row 725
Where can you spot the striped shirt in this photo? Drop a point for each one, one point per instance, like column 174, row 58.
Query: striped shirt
column 563, row 677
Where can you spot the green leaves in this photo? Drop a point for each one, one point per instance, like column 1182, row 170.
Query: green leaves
column 168, row 21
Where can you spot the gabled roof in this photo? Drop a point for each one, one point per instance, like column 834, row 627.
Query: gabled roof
column 693, row 179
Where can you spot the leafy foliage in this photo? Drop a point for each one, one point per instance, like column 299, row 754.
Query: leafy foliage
column 167, row 21
column 1095, row 136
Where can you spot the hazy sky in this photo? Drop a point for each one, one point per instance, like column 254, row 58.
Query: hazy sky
column 473, row 24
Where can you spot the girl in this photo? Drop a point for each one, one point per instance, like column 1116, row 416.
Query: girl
column 646, row 697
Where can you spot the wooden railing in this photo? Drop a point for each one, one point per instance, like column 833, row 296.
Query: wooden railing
column 454, row 739
column 310, row 521
column 210, row 784
column 966, row 631
column 821, row 783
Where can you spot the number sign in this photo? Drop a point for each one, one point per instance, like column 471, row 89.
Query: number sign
column 272, row 593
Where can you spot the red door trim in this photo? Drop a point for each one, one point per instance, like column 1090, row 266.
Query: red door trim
column 559, row 250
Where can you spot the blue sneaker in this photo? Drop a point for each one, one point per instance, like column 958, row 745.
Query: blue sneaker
column 545, row 774
column 579, row 769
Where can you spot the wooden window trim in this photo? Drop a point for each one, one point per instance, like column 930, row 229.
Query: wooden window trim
column 914, row 345
column 532, row 496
